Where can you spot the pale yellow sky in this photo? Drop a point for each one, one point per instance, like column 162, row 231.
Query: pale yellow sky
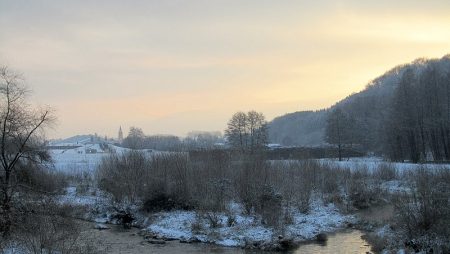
column 176, row 66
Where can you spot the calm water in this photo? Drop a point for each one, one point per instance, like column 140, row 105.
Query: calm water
column 347, row 241
column 116, row 240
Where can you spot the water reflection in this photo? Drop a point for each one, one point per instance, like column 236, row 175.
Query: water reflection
column 347, row 241
column 116, row 240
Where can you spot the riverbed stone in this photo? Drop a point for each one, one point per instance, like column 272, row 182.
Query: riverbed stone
column 153, row 241
column 322, row 237
column 100, row 226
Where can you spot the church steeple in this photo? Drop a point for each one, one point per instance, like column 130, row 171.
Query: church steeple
column 120, row 134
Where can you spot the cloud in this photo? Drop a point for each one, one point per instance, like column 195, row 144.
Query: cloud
column 161, row 63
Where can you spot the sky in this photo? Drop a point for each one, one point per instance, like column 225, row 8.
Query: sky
column 170, row 67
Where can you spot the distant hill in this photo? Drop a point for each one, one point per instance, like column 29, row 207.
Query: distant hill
column 304, row 128
column 78, row 139
column 369, row 107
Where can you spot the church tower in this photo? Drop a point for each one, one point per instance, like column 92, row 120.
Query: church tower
column 120, row 134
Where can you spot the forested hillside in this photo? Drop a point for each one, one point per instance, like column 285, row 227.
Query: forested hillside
column 305, row 128
column 390, row 102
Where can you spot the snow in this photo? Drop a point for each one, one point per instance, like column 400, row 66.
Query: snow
column 322, row 218
column 75, row 157
column 192, row 225
column 71, row 197
column 77, row 160
column 174, row 225
column 228, row 243
column 179, row 225
column 385, row 232
column 372, row 163
column 395, row 186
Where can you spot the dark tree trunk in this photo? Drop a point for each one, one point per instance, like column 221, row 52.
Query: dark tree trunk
column 414, row 155
column 444, row 143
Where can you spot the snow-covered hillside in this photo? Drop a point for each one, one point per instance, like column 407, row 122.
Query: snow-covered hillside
column 79, row 156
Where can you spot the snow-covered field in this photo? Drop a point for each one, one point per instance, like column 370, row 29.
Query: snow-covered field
column 372, row 163
column 80, row 157
column 77, row 160
column 194, row 226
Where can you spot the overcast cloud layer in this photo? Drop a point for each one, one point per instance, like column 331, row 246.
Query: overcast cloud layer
column 176, row 66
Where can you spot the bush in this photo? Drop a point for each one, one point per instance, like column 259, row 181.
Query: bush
column 213, row 218
column 162, row 202
column 362, row 189
column 124, row 217
column 32, row 177
column 218, row 193
column 378, row 243
column 212, row 179
column 425, row 212
column 270, row 206
column 124, row 175
column 138, row 177
column 196, row 225
column 84, row 181
column 46, row 227
column 252, row 173
column 385, row 172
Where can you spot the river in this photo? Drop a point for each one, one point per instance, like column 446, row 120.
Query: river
column 118, row 240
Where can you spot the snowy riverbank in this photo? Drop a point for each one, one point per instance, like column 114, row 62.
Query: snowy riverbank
column 234, row 229
column 247, row 230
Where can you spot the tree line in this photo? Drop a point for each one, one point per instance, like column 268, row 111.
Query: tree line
column 418, row 125
column 245, row 132
column 413, row 125
column 137, row 139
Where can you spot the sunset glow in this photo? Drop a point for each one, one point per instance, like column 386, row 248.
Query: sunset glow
column 176, row 66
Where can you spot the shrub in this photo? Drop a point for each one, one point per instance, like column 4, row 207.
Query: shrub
column 162, row 202
column 135, row 176
column 362, row 190
column 46, row 227
column 32, row 177
column 385, row 172
column 378, row 243
column 425, row 212
column 270, row 206
column 196, row 225
column 231, row 219
column 252, row 173
column 217, row 194
column 213, row 218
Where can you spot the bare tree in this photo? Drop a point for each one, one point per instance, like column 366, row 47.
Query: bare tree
column 202, row 139
column 236, row 131
column 338, row 130
column 21, row 127
column 247, row 132
column 417, row 126
column 135, row 138
column 257, row 128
